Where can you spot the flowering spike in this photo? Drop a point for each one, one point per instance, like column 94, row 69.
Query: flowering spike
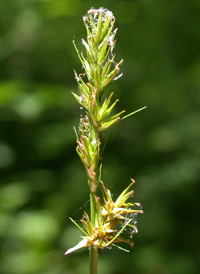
column 101, row 228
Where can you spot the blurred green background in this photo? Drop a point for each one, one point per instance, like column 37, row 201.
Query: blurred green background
column 42, row 180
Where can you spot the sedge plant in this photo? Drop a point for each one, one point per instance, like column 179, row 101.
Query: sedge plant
column 104, row 224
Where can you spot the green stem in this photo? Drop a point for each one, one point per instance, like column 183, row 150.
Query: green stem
column 93, row 256
column 93, row 260
column 93, row 250
column 92, row 208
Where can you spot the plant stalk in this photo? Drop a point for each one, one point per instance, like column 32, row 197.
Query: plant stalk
column 93, row 260
column 93, row 251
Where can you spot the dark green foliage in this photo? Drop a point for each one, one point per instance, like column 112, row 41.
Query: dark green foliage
column 42, row 179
